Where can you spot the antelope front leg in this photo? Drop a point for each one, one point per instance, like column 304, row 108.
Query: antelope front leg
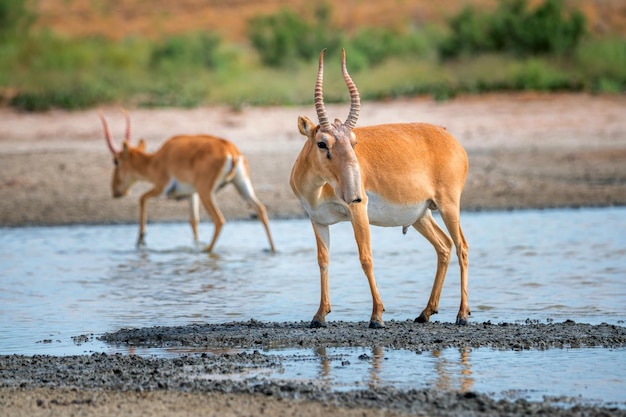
column 360, row 224
column 141, row 240
column 194, row 214
column 322, row 238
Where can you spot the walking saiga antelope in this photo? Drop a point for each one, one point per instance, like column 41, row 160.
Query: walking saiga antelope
column 385, row 175
column 186, row 166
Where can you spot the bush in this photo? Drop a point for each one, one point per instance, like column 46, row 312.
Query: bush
column 192, row 49
column 536, row 74
column 603, row 63
column 285, row 38
column 469, row 34
column 375, row 45
column 72, row 97
column 547, row 29
column 15, row 18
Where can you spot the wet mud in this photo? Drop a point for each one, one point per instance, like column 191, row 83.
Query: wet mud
column 226, row 353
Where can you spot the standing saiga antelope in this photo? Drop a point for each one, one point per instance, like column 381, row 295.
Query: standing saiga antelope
column 186, row 166
column 385, row 175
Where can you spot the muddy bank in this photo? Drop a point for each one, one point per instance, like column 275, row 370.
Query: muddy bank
column 230, row 376
column 396, row 335
column 525, row 151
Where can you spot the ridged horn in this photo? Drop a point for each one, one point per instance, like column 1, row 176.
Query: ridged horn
column 355, row 99
column 107, row 134
column 319, row 95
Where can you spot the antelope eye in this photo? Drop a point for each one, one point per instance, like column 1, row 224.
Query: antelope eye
column 322, row 145
column 116, row 162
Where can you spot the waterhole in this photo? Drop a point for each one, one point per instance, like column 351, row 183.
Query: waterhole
column 62, row 286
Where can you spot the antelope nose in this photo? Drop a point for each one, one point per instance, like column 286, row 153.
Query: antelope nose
column 356, row 200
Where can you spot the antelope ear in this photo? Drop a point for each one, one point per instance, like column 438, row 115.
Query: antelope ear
column 142, row 145
column 306, row 126
column 125, row 148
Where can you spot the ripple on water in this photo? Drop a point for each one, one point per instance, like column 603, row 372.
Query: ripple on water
column 548, row 265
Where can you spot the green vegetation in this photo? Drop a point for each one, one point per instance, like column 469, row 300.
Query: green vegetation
column 513, row 47
column 513, row 28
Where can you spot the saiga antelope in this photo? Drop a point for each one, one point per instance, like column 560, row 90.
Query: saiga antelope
column 186, row 166
column 384, row 175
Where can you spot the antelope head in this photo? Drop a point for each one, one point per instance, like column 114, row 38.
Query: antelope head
column 125, row 172
column 333, row 143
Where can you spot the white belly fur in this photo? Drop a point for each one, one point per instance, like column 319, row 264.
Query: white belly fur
column 178, row 190
column 383, row 213
column 380, row 212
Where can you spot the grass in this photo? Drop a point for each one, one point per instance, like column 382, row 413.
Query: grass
column 42, row 70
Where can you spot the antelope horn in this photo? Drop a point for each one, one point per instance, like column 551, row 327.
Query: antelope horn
column 355, row 100
column 107, row 134
column 319, row 95
column 129, row 130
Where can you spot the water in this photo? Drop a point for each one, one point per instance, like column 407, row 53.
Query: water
column 504, row 374
column 59, row 282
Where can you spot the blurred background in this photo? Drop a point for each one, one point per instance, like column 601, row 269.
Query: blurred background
column 73, row 54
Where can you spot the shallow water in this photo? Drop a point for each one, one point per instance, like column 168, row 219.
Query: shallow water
column 503, row 374
column 59, row 282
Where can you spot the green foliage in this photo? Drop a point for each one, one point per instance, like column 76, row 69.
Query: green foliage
column 535, row 74
column 16, row 18
column 70, row 97
column 602, row 62
column 198, row 49
column 512, row 27
column 50, row 71
column 284, row 38
column 469, row 34
column 376, row 45
column 514, row 48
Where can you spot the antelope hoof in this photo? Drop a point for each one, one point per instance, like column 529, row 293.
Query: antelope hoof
column 423, row 318
column 318, row 324
column 376, row 324
column 461, row 321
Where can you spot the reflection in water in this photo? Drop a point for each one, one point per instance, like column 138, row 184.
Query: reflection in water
column 590, row 373
column 548, row 265
column 375, row 366
column 324, row 372
column 452, row 373
column 55, row 291
column 466, row 371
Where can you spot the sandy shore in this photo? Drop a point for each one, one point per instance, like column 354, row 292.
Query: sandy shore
column 525, row 150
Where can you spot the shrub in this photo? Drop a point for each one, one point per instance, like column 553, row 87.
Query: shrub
column 603, row 63
column 15, row 18
column 71, row 97
column 197, row 49
column 512, row 27
column 536, row 74
column 468, row 35
column 375, row 45
column 284, row 37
